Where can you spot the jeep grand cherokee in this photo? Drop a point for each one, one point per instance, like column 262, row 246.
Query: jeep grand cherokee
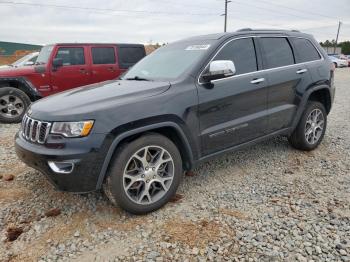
column 183, row 104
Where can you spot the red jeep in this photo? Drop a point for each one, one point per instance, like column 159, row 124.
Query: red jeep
column 61, row 67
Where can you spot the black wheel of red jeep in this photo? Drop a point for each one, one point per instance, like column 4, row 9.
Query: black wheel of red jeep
column 311, row 127
column 13, row 104
column 145, row 174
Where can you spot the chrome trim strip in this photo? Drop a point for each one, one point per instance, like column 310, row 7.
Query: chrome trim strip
column 31, row 130
column 263, row 70
column 55, row 168
column 37, row 134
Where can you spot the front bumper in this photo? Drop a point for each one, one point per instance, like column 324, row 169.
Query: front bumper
column 87, row 154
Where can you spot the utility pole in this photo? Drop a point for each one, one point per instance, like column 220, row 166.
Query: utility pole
column 225, row 14
column 336, row 40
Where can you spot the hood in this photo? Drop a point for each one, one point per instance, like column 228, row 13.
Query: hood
column 88, row 101
column 17, row 71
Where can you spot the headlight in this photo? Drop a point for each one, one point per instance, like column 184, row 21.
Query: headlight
column 72, row 129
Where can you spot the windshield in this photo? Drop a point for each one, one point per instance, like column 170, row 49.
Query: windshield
column 168, row 62
column 44, row 55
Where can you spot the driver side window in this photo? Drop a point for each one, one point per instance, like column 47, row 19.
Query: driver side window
column 71, row 55
column 242, row 53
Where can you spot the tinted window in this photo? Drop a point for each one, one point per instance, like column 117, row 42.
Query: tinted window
column 277, row 52
column 242, row 53
column 103, row 55
column 71, row 55
column 305, row 50
column 129, row 56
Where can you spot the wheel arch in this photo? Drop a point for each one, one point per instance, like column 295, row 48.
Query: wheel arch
column 319, row 93
column 22, row 84
column 169, row 129
column 323, row 96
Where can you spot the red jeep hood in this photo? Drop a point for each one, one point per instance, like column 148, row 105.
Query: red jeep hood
column 17, row 71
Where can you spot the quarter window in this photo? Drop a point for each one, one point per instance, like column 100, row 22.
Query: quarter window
column 128, row 56
column 277, row 52
column 71, row 55
column 103, row 55
column 242, row 53
column 305, row 50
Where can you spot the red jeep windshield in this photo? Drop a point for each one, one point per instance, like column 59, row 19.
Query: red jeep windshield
column 44, row 55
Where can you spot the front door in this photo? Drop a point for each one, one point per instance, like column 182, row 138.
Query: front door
column 233, row 110
column 75, row 70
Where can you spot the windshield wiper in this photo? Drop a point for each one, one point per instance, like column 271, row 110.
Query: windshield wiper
column 137, row 78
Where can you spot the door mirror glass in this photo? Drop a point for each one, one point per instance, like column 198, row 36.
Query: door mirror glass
column 57, row 62
column 219, row 69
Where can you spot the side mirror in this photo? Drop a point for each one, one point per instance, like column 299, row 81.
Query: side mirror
column 219, row 69
column 57, row 62
column 29, row 63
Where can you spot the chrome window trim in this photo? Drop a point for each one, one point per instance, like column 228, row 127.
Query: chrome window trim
column 263, row 70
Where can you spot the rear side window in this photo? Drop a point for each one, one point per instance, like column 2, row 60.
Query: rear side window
column 71, row 55
column 103, row 55
column 304, row 50
column 242, row 53
column 277, row 52
column 128, row 56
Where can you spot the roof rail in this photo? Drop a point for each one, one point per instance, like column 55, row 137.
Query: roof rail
column 244, row 29
column 250, row 29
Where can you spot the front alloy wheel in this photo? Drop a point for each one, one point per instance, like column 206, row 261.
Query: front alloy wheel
column 13, row 104
column 145, row 174
column 148, row 175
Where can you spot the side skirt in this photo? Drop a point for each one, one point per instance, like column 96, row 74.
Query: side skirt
column 285, row 131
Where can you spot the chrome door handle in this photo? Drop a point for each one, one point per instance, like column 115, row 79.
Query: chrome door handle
column 257, row 80
column 301, row 71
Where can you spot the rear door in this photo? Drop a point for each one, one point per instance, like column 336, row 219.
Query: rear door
column 233, row 110
column 75, row 70
column 286, row 79
column 103, row 63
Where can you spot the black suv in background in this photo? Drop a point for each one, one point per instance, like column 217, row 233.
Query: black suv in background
column 184, row 103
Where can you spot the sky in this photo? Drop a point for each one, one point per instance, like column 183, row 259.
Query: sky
column 163, row 21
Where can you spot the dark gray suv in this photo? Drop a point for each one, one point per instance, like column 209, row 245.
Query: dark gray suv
column 184, row 103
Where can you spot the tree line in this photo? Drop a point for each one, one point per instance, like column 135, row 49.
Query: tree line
column 345, row 46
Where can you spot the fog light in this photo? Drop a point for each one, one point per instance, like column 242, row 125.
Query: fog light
column 61, row 167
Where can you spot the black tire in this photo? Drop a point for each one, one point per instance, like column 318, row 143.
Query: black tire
column 335, row 64
column 113, row 186
column 21, row 107
column 298, row 138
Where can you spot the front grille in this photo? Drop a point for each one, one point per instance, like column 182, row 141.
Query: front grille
column 34, row 130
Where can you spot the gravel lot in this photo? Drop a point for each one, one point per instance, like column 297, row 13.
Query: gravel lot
column 265, row 203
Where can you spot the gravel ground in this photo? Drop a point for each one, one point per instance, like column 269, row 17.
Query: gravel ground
column 265, row 203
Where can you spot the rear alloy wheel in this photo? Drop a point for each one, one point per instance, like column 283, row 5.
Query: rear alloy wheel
column 13, row 104
column 314, row 126
column 145, row 174
column 311, row 127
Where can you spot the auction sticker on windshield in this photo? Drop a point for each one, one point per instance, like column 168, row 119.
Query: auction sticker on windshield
column 197, row 47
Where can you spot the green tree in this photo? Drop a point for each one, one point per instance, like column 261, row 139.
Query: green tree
column 345, row 47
